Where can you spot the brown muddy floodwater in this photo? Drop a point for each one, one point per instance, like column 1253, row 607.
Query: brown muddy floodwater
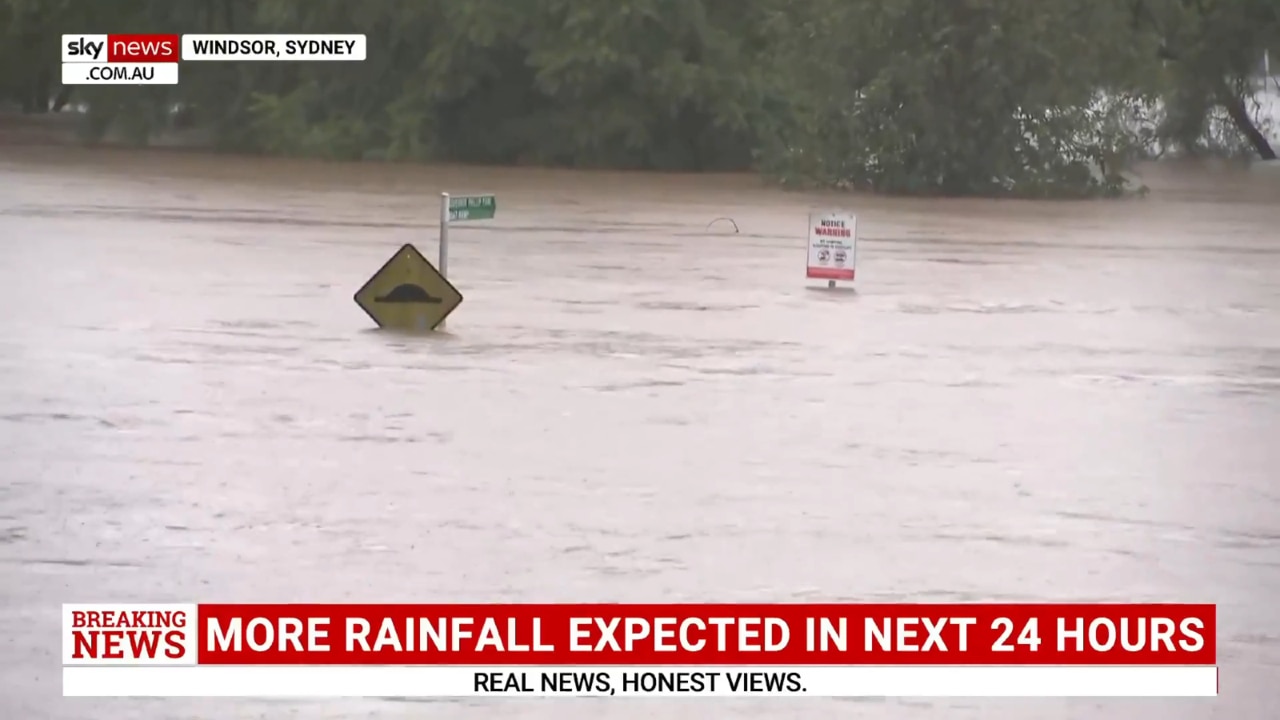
column 1021, row 401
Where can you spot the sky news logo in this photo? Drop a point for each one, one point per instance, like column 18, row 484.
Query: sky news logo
column 121, row 48
column 120, row 59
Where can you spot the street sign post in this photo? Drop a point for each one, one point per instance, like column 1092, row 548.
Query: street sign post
column 408, row 293
column 459, row 209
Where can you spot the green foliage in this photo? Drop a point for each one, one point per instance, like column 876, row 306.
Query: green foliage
column 991, row 97
column 986, row 97
column 1212, row 49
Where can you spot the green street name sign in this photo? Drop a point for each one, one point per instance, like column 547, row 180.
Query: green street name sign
column 472, row 207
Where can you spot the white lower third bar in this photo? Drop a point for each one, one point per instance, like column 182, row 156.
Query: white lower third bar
column 120, row 73
column 613, row 681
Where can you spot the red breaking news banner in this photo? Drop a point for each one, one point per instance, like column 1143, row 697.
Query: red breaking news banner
column 596, row 650
column 962, row 634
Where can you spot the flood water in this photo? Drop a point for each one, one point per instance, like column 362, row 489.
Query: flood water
column 1021, row 401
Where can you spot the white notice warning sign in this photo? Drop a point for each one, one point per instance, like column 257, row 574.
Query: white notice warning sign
column 833, row 241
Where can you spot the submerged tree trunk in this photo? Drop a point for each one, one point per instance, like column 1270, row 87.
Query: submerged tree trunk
column 40, row 94
column 1235, row 107
column 61, row 99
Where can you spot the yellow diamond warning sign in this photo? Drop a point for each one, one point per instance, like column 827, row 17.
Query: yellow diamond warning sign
column 408, row 293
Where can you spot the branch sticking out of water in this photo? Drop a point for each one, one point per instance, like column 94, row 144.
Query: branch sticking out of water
column 731, row 222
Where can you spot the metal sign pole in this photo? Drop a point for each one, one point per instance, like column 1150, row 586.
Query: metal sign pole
column 444, row 239
column 444, row 234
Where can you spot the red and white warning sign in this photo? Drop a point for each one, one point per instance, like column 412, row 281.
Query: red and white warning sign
column 833, row 245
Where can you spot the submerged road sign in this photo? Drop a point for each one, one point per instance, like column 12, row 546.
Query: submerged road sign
column 408, row 293
column 472, row 207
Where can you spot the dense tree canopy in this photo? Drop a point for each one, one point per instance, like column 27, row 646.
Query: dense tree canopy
column 990, row 97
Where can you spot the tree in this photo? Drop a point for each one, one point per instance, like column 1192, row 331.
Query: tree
column 1212, row 49
column 986, row 97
